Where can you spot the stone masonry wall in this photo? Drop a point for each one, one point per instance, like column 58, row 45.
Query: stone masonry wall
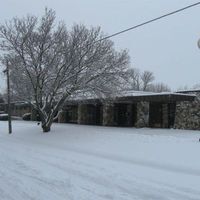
column 108, row 114
column 142, row 115
column 82, row 114
column 188, row 115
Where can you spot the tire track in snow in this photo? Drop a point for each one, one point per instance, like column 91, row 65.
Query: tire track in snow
column 96, row 180
column 134, row 191
column 122, row 159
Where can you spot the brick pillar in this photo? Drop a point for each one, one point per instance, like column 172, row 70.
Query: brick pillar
column 62, row 117
column 108, row 114
column 165, row 123
column 142, row 115
column 82, row 114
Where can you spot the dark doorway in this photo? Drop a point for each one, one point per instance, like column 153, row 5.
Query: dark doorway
column 125, row 114
column 99, row 114
column 120, row 114
column 171, row 114
column 94, row 114
column 72, row 114
column 134, row 115
column 162, row 115
column 155, row 115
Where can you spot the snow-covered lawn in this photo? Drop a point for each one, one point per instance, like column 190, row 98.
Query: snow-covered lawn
column 76, row 162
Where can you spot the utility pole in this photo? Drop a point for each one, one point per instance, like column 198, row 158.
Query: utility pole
column 8, row 97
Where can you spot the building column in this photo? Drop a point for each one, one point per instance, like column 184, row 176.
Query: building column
column 142, row 115
column 82, row 114
column 108, row 114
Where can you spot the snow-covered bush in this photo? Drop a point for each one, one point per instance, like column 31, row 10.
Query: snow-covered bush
column 26, row 116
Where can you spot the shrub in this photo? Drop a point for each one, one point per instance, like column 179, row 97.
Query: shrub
column 26, row 116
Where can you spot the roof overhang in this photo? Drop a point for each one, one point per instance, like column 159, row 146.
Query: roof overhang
column 162, row 97
column 152, row 97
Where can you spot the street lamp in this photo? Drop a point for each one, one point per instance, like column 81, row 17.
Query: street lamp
column 6, row 71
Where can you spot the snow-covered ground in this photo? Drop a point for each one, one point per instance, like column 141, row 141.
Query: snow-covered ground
column 75, row 162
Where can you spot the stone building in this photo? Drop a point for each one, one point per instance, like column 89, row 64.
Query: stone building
column 131, row 109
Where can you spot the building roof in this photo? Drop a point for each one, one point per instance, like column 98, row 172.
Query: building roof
column 135, row 96
column 130, row 96
column 189, row 91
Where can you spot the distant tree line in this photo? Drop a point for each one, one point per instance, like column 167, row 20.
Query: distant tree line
column 143, row 81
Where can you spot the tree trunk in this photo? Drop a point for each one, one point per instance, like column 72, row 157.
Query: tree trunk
column 46, row 128
column 46, row 121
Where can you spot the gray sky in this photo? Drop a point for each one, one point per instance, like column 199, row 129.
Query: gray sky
column 167, row 47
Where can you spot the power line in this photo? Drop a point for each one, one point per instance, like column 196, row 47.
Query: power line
column 149, row 21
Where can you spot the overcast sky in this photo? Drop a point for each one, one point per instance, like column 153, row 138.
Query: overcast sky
column 167, row 47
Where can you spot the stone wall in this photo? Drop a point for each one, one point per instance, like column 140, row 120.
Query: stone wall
column 188, row 115
column 142, row 115
column 108, row 114
column 82, row 114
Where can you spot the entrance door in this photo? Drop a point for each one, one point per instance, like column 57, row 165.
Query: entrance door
column 155, row 115
column 120, row 114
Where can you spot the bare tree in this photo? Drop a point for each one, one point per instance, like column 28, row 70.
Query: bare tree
column 49, row 63
column 196, row 86
column 139, row 81
column 147, row 78
column 133, row 80
column 159, row 87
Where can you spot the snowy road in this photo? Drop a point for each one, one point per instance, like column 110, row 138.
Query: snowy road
column 86, row 163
